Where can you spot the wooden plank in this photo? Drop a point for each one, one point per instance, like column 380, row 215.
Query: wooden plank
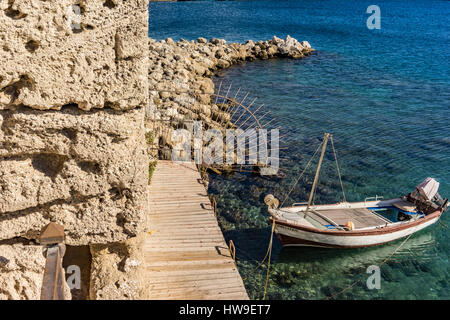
column 183, row 263
column 189, row 246
column 198, row 267
column 177, row 232
column 186, row 254
column 225, row 274
column 178, row 211
column 218, row 294
column 188, row 271
column 202, row 287
column 190, row 204
column 151, row 250
column 162, row 236
column 184, row 217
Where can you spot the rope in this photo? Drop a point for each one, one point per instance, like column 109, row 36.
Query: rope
column 265, row 257
column 443, row 224
column 268, row 254
column 338, row 170
column 306, row 167
column 268, row 262
column 384, row 261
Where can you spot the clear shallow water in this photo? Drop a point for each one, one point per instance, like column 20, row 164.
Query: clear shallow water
column 383, row 94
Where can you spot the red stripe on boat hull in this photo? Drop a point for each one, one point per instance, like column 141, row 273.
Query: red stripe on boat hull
column 287, row 241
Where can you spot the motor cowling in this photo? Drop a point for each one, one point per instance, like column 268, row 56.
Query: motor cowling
column 426, row 197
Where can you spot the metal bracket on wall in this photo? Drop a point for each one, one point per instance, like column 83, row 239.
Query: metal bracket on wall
column 52, row 238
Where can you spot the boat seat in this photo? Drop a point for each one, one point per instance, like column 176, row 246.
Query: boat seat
column 405, row 206
column 298, row 219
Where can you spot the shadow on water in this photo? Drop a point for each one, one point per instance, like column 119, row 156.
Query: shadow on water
column 252, row 243
column 419, row 246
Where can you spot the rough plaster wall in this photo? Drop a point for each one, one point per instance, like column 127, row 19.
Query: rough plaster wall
column 69, row 161
column 45, row 64
column 72, row 146
column 21, row 271
column 118, row 270
column 85, row 171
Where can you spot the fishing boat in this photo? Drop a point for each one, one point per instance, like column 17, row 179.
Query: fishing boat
column 371, row 222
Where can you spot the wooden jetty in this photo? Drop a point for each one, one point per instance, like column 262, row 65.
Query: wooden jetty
column 186, row 254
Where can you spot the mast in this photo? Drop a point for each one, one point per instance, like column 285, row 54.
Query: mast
column 324, row 146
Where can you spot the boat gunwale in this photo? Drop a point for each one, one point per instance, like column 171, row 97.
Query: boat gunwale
column 377, row 230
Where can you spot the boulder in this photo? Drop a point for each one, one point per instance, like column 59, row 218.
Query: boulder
column 216, row 41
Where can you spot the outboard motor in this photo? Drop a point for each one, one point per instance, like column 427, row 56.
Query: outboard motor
column 443, row 203
column 426, row 197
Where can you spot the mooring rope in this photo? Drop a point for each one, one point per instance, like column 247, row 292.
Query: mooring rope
column 384, row 261
column 260, row 263
column 443, row 224
column 268, row 262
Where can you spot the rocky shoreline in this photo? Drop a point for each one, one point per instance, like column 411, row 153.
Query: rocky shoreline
column 180, row 85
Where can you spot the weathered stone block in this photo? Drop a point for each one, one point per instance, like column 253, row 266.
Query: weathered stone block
column 93, row 54
column 118, row 271
column 21, row 272
column 84, row 170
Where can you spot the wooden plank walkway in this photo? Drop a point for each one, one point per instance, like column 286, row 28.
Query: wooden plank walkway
column 186, row 254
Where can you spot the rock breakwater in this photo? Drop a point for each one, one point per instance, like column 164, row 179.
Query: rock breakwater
column 180, row 84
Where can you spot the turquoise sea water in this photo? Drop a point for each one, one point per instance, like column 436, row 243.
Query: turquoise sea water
column 383, row 94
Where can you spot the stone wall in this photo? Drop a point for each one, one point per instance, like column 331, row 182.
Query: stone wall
column 118, row 270
column 73, row 92
column 21, row 269
column 48, row 60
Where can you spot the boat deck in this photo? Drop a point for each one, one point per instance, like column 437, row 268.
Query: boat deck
column 186, row 254
column 362, row 218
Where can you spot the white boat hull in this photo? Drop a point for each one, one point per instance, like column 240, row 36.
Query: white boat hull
column 290, row 236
